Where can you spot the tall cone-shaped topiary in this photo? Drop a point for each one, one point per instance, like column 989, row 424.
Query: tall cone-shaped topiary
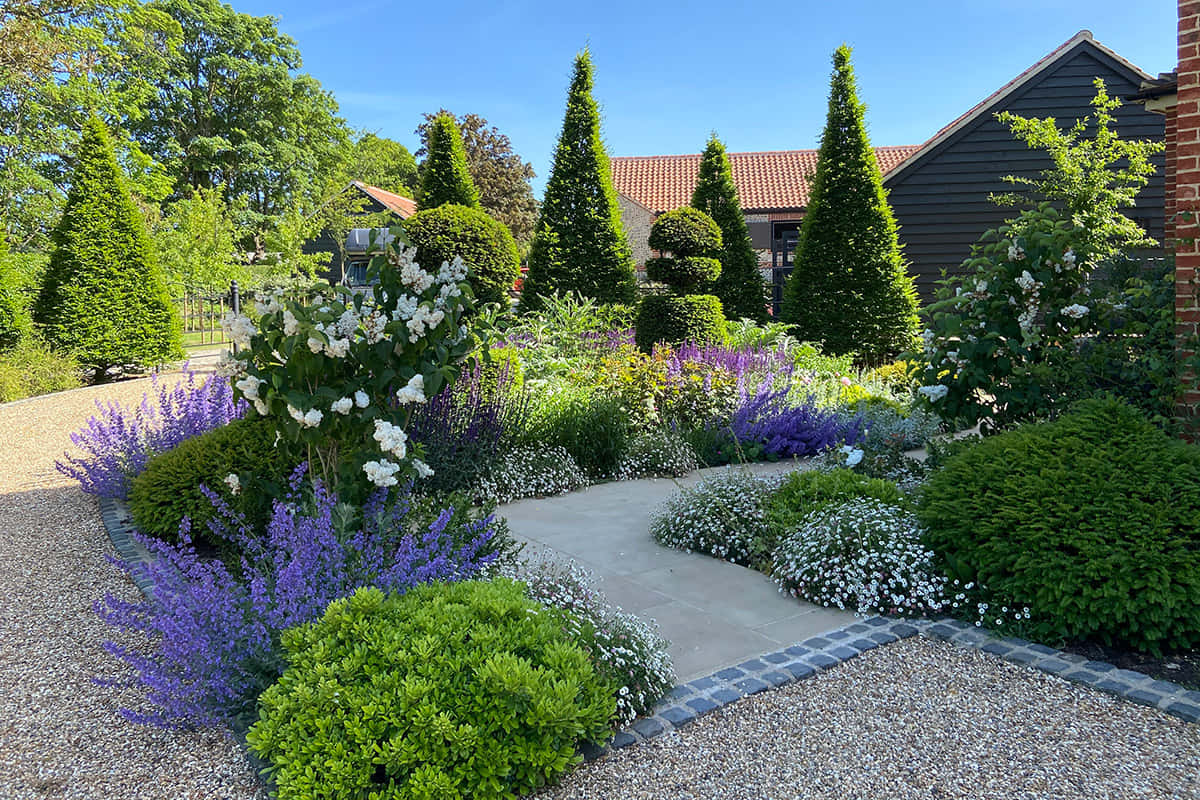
column 850, row 289
column 740, row 285
column 104, row 297
column 445, row 178
column 579, row 244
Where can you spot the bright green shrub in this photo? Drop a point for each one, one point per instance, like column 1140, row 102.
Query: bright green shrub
column 685, row 232
column 896, row 377
column 15, row 322
column 680, row 318
column 685, row 274
column 802, row 493
column 590, row 425
column 31, row 368
column 445, row 178
column 466, row 690
column 501, row 363
column 1091, row 521
column 486, row 246
column 169, row 489
column 104, row 297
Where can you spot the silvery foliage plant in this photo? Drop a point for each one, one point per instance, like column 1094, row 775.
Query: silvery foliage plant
column 339, row 375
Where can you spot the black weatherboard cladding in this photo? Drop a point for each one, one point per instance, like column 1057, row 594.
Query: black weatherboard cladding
column 941, row 200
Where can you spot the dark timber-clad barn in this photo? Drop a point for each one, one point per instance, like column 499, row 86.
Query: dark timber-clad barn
column 939, row 190
column 353, row 270
column 940, row 193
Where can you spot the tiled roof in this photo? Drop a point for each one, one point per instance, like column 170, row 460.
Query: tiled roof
column 1016, row 83
column 402, row 206
column 770, row 180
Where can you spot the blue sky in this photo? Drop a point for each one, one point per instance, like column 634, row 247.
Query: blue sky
column 668, row 72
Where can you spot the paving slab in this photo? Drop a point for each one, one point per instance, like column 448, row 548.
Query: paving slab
column 715, row 614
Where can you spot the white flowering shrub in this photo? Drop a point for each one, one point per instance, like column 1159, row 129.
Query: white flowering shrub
column 624, row 648
column 862, row 555
column 722, row 516
column 529, row 471
column 340, row 374
column 657, row 453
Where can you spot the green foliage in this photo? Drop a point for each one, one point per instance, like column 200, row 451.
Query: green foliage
column 683, row 273
column 849, row 289
column 579, row 244
column 104, row 298
column 896, row 377
column 194, row 242
column 501, row 362
column 486, row 246
column 1095, row 176
column 589, row 424
column 30, row 368
column 685, row 232
column 382, row 162
column 674, row 318
column 562, row 334
column 445, row 178
column 807, row 491
column 169, row 488
column 739, row 285
column 15, row 322
column 466, row 690
column 1091, row 521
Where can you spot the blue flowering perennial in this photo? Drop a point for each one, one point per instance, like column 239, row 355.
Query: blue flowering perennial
column 215, row 636
column 786, row 430
column 119, row 441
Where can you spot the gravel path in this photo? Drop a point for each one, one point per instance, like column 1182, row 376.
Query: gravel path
column 59, row 736
column 916, row 719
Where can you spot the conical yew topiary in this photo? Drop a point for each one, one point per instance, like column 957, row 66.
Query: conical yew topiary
column 579, row 244
column 446, row 179
column 740, row 285
column 850, row 289
column 104, row 297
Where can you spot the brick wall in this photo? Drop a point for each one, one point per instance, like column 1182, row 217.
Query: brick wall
column 1187, row 193
column 636, row 219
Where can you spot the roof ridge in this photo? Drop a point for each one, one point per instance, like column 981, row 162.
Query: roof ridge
column 757, row 152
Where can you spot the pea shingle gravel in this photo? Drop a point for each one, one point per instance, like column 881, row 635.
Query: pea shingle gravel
column 59, row 736
column 915, row 719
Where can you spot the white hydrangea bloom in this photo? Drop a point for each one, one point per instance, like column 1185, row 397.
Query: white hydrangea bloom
column 423, row 469
column 374, row 324
column 261, row 407
column 234, row 483
column 935, row 392
column 417, row 279
column 290, row 324
column 248, row 386
column 1015, row 253
column 312, row 418
column 348, row 322
column 413, row 392
column 239, row 328
column 315, row 344
column 361, row 400
column 342, row 406
column 1026, row 281
column 381, row 473
column 1075, row 311
column 337, row 348
column 392, row 439
column 406, row 306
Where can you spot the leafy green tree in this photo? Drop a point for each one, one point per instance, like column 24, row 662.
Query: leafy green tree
column 104, row 298
column 1095, row 174
column 849, row 289
column 382, row 162
column 194, row 242
column 740, row 285
column 579, row 244
column 445, row 178
column 501, row 175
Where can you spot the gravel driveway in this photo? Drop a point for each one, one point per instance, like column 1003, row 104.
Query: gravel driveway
column 916, row 719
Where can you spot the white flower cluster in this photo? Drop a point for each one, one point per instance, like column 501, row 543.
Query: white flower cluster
column 391, row 438
column 424, row 318
column 530, row 472
column 934, row 393
column 374, row 325
column 854, row 455
column 722, row 516
column 248, row 386
column 413, row 391
column 1015, row 252
column 1075, row 311
column 268, row 302
column 239, row 328
column 342, row 406
column 307, row 419
column 415, row 278
column 291, row 325
column 862, row 555
column 381, row 473
column 234, row 483
column 423, row 469
column 1027, row 282
column 659, row 453
column 453, row 271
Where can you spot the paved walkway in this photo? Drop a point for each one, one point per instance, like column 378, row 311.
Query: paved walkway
column 715, row 614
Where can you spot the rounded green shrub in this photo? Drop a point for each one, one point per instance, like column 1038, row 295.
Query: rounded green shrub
column 684, row 274
column 1091, row 521
column 466, row 690
column 680, row 318
column 485, row 244
column 804, row 492
column 686, row 232
column 169, row 488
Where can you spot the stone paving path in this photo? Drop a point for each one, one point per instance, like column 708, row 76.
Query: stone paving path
column 715, row 614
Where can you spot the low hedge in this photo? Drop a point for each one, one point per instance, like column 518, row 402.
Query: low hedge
column 1091, row 521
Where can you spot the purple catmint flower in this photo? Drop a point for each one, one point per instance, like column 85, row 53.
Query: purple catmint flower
column 119, row 441
column 767, row 417
column 214, row 635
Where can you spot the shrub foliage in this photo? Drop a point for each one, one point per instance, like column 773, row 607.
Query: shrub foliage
column 693, row 239
column 485, row 245
column 1092, row 521
column 445, row 179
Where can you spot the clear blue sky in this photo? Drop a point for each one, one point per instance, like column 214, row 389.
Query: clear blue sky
column 669, row 71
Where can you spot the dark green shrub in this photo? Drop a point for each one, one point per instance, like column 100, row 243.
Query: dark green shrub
column 579, row 244
column 850, row 289
column 104, row 297
column 31, row 368
column 684, row 274
column 485, row 245
column 685, row 232
column 739, row 285
column 466, row 690
column 675, row 318
column 592, row 427
column 810, row 490
column 1091, row 521
column 445, row 178
column 169, row 489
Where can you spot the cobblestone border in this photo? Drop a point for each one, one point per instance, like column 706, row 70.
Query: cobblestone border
column 694, row 699
column 119, row 523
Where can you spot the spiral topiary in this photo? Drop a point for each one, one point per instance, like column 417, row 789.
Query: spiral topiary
column 693, row 239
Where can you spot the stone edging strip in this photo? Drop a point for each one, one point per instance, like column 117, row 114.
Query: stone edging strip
column 694, row 699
